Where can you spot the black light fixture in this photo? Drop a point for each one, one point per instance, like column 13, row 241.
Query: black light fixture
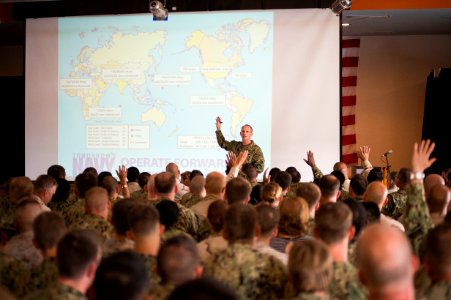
column 158, row 10
column 340, row 5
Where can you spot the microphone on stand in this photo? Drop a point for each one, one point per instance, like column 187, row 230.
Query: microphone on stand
column 387, row 153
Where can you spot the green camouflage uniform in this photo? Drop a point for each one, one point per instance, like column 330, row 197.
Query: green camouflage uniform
column 189, row 200
column 345, row 284
column 416, row 220
column 187, row 220
column 172, row 232
column 74, row 213
column 251, row 274
column 293, row 189
column 254, row 156
column 14, row 275
column 309, row 296
column 7, row 218
column 396, row 204
column 310, row 225
column 162, row 292
column 44, row 276
column 151, row 264
column 58, row 292
column 352, row 254
column 317, row 174
column 422, row 281
column 100, row 225
column 63, row 207
column 21, row 248
column 439, row 291
column 112, row 245
column 139, row 195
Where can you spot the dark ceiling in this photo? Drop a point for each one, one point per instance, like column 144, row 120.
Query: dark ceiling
column 15, row 12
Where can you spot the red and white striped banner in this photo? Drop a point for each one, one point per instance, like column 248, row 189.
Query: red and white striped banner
column 349, row 64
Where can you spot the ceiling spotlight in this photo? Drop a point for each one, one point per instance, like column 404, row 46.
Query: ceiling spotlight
column 159, row 11
column 340, row 5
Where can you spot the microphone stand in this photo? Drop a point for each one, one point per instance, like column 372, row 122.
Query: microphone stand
column 387, row 168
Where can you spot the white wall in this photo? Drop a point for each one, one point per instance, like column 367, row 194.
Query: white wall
column 391, row 87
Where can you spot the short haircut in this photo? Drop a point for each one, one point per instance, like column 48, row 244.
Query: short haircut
column 204, row 288
column 143, row 219
column 76, row 251
column 197, row 185
column 19, row 187
column 44, row 182
column 169, row 213
column 359, row 216
column 283, row 179
column 49, row 227
column 215, row 214
column 249, row 170
column 271, row 192
column 119, row 215
column 375, row 174
column 102, row 176
column 237, row 190
column 240, row 222
column 91, row 170
column 329, row 185
column 165, row 182
column 143, row 178
column 272, row 173
column 438, row 199
column 195, row 173
column 340, row 176
column 295, row 174
column 26, row 212
column 332, row 222
column 62, row 191
column 256, row 194
column 177, row 259
column 384, row 257
column 403, row 176
column 96, row 199
column 358, row 184
column 376, row 192
column 294, row 214
column 132, row 174
column 310, row 192
column 215, row 183
column 438, row 251
column 84, row 182
column 309, row 267
column 373, row 214
column 56, row 171
column 122, row 275
column 110, row 184
column 268, row 219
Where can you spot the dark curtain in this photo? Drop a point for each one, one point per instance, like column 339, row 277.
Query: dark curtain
column 13, row 127
column 437, row 118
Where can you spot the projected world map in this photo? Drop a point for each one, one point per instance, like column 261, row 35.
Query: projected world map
column 142, row 85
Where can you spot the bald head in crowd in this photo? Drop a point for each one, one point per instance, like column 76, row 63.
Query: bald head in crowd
column 386, row 263
column 438, row 202
column 376, row 192
column 430, row 181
